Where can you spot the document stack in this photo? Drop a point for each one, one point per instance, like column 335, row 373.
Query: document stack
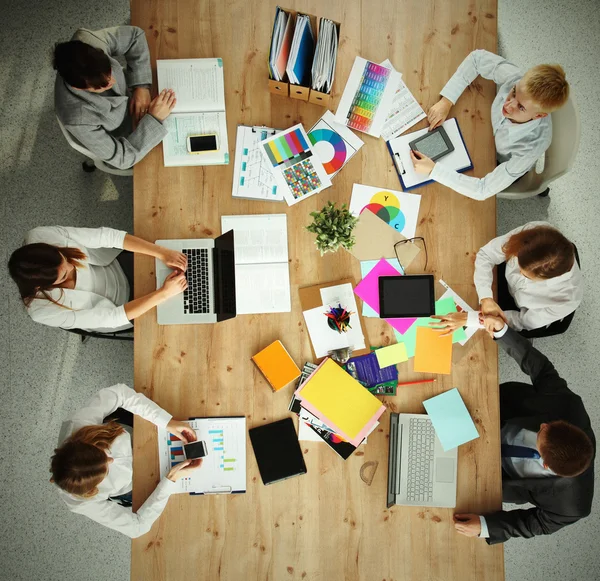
column 301, row 53
column 323, row 68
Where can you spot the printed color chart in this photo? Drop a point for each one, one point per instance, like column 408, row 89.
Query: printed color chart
column 368, row 96
column 288, row 149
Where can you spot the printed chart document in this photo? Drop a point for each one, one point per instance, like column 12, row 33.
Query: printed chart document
column 223, row 469
column 252, row 175
column 262, row 275
column 405, row 111
column 200, row 109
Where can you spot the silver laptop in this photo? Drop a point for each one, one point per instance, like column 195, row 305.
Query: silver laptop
column 210, row 296
column 420, row 473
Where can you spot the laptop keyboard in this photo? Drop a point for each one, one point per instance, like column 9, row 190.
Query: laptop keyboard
column 421, row 446
column 196, row 298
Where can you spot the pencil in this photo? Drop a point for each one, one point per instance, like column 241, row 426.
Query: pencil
column 417, row 381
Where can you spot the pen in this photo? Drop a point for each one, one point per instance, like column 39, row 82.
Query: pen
column 417, row 381
column 399, row 164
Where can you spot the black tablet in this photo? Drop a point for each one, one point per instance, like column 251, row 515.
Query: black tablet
column 406, row 296
column 435, row 144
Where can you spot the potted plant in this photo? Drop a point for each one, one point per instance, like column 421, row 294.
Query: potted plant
column 333, row 227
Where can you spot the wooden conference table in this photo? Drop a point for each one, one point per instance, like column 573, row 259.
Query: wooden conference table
column 327, row 525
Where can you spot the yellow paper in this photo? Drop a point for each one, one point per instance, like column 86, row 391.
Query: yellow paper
column 433, row 354
column 391, row 355
column 340, row 398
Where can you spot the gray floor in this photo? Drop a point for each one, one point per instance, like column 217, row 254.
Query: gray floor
column 46, row 374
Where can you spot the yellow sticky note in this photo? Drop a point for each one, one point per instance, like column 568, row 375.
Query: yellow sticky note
column 391, row 355
column 433, row 354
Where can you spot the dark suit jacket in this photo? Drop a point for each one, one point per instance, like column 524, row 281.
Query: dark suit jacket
column 558, row 501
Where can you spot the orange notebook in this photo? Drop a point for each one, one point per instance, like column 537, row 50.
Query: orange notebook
column 433, row 354
column 276, row 365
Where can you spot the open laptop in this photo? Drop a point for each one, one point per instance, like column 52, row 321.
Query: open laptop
column 210, row 296
column 420, row 473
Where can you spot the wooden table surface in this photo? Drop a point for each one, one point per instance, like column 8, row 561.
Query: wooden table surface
column 328, row 524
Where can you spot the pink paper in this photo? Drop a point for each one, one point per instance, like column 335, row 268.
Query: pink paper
column 368, row 290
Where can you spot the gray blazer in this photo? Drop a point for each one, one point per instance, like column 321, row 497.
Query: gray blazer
column 92, row 118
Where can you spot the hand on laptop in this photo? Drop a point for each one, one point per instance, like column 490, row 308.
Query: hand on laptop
column 449, row 323
column 174, row 284
column 438, row 113
column 421, row 163
column 173, row 259
column 467, row 524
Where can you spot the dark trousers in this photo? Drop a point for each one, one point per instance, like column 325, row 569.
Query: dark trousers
column 125, row 259
column 507, row 303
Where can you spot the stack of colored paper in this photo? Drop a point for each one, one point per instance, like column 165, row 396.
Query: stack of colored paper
column 340, row 402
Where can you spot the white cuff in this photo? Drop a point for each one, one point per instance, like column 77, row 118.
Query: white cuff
column 501, row 332
column 162, row 419
column 485, row 533
column 473, row 319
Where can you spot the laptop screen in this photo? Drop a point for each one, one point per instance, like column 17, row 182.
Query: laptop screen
column 224, row 276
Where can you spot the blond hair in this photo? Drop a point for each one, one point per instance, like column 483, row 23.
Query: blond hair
column 547, row 86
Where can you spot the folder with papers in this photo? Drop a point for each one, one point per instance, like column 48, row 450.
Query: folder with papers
column 323, row 68
column 301, row 52
column 281, row 41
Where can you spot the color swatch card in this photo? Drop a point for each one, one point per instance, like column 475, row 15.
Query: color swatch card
column 398, row 210
column 334, row 144
column 433, row 353
column 297, row 170
column 367, row 97
column 451, row 419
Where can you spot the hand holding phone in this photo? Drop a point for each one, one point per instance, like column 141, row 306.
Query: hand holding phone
column 195, row 450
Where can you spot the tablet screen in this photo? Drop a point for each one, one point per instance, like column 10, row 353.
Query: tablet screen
column 406, row 296
column 432, row 145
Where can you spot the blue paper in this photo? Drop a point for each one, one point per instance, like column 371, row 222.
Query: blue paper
column 366, row 266
column 451, row 419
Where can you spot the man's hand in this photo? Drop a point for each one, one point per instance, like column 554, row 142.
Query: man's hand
column 139, row 103
column 438, row 113
column 421, row 163
column 467, row 524
column 449, row 323
column 492, row 308
column 493, row 324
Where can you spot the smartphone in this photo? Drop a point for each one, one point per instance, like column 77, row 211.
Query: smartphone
column 195, row 450
column 202, row 143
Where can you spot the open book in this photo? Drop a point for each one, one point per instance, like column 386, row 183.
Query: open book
column 262, row 275
column 200, row 109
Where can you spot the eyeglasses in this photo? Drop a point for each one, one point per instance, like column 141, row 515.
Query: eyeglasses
column 412, row 241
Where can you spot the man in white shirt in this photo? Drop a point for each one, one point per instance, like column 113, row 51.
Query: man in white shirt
column 548, row 449
column 520, row 121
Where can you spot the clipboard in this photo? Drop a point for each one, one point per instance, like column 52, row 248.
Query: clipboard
column 310, row 298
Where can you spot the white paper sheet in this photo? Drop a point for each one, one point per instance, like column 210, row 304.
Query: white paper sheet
column 461, row 305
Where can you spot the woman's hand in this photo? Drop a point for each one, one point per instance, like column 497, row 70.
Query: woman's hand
column 182, row 430
column 449, row 323
column 162, row 105
column 421, row 163
column 139, row 103
column 174, row 284
column 173, row 259
column 438, row 113
column 492, row 308
column 183, row 469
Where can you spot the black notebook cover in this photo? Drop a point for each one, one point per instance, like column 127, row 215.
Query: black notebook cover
column 277, row 451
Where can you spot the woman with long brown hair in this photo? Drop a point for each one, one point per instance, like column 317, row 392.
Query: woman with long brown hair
column 93, row 469
column 72, row 277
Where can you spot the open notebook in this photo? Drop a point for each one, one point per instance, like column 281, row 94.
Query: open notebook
column 262, row 275
column 458, row 160
column 200, row 109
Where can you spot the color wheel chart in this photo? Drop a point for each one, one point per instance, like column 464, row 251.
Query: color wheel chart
column 386, row 206
column 329, row 145
column 368, row 96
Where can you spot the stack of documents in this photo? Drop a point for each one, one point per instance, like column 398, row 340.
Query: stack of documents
column 335, row 403
column 281, row 41
column 301, row 53
column 323, row 68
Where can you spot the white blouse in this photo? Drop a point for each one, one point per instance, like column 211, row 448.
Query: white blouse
column 120, row 472
column 101, row 290
column 540, row 302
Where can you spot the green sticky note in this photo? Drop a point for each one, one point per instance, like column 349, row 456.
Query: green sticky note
column 445, row 306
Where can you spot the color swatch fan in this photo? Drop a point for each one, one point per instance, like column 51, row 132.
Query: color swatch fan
column 297, row 170
column 333, row 143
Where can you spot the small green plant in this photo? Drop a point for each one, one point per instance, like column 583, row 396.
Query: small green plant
column 333, row 227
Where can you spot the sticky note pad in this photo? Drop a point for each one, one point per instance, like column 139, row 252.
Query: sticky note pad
column 451, row 419
column 433, row 353
column 391, row 355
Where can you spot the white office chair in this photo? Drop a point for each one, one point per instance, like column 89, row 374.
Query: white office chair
column 92, row 162
column 559, row 157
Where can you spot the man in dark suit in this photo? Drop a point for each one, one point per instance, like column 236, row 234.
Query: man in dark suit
column 548, row 449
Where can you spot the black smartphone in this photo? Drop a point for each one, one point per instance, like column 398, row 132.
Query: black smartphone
column 195, row 450
column 202, row 143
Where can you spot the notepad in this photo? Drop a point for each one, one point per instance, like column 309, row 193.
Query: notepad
column 399, row 149
column 200, row 109
column 276, row 365
column 340, row 401
column 433, row 353
column 451, row 419
column 391, row 355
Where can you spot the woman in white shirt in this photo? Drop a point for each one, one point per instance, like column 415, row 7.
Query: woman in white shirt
column 92, row 467
column 70, row 278
column 539, row 281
